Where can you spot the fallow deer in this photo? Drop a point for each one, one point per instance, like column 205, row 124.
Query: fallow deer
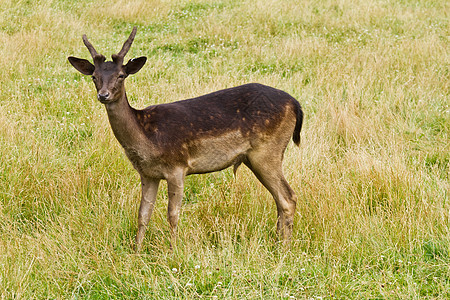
column 250, row 124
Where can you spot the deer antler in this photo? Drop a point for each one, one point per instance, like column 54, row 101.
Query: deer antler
column 98, row 58
column 118, row 58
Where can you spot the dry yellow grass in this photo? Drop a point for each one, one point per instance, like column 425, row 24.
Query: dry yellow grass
column 372, row 172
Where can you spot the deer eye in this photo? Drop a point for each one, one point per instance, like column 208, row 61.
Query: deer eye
column 122, row 76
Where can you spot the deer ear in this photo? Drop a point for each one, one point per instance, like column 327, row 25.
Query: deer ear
column 134, row 65
column 82, row 65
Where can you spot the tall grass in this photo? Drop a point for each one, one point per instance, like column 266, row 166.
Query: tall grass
column 372, row 171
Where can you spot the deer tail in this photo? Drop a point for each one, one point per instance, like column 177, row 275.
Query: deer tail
column 298, row 124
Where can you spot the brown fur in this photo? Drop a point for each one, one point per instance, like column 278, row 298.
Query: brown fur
column 250, row 124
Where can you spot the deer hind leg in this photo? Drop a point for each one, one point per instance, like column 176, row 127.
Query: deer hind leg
column 175, row 186
column 268, row 169
column 149, row 191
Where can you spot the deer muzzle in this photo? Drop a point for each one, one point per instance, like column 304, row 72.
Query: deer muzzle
column 103, row 96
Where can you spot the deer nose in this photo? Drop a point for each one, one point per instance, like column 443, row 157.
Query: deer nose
column 103, row 96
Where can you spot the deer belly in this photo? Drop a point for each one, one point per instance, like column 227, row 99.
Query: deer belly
column 216, row 153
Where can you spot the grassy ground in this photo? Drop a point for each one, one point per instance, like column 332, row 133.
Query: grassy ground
column 372, row 172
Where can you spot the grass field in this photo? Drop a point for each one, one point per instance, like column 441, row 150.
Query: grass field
column 371, row 173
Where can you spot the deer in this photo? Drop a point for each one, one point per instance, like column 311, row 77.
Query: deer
column 250, row 124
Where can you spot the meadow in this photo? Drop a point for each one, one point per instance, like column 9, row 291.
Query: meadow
column 371, row 173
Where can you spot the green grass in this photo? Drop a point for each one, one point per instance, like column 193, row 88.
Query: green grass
column 371, row 173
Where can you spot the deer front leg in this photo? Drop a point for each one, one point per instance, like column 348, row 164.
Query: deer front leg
column 149, row 191
column 175, row 186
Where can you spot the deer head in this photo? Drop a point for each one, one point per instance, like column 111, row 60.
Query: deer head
column 109, row 76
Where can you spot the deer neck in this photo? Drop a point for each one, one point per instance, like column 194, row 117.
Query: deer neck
column 124, row 124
